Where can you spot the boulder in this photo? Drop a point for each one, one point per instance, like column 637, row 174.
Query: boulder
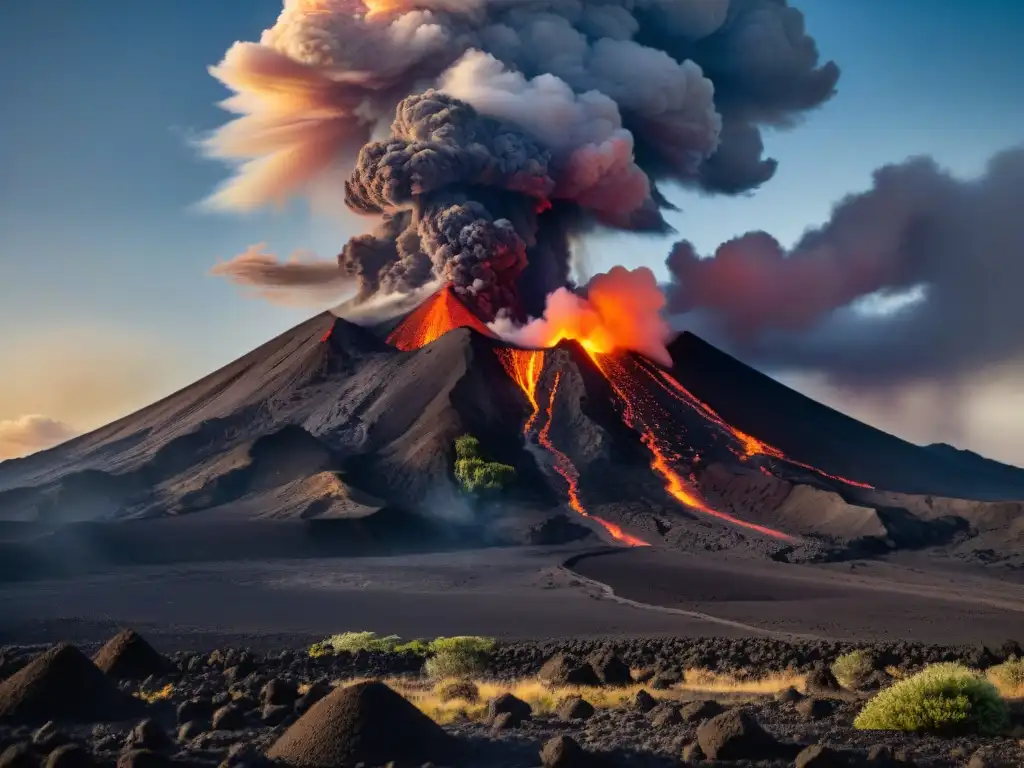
column 127, row 656
column 561, row 670
column 564, row 752
column 736, row 735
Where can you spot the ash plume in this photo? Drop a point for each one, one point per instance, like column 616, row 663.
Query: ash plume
column 300, row 280
column 916, row 280
column 496, row 132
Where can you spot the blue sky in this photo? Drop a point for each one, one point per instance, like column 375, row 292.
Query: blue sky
column 102, row 248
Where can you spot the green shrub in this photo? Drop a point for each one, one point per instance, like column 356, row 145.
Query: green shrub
column 453, row 663
column 851, row 669
column 943, row 698
column 1009, row 675
column 355, row 641
column 463, row 644
column 467, row 447
column 418, row 647
column 475, row 475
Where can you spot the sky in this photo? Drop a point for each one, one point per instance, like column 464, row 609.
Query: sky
column 106, row 303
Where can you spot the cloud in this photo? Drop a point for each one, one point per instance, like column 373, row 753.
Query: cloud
column 30, row 433
column 302, row 280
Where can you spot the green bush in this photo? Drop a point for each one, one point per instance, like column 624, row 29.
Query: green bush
column 1009, row 675
column 851, row 669
column 467, row 447
column 944, row 698
column 418, row 647
column 463, row 644
column 355, row 641
column 453, row 663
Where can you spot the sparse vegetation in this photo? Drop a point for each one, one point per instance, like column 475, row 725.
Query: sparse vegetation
column 942, row 698
column 159, row 695
column 353, row 642
column 474, row 474
column 851, row 669
column 1008, row 677
column 458, row 690
column 447, row 657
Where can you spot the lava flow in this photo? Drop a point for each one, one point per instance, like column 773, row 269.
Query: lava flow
column 751, row 445
column 439, row 314
column 663, row 458
column 524, row 367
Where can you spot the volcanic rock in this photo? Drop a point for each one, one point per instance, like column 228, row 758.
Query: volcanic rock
column 789, row 696
column 736, row 735
column 821, row 680
column 643, row 701
column 49, row 737
column 692, row 753
column 63, row 684
column 698, row 711
column 316, row 691
column 813, row 708
column 18, row 756
column 279, row 691
column 563, row 752
column 194, row 709
column 561, row 670
column 575, row 708
column 518, row 710
column 610, row 669
column 228, row 718
column 191, row 729
column 128, row 656
column 148, row 735
column 664, row 715
column 366, row 722
column 817, row 756
column 275, row 714
column 69, row 756
column 142, row 758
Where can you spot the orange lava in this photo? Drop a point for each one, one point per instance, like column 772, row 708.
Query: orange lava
column 751, row 446
column 524, row 367
column 327, row 335
column 439, row 314
column 662, row 456
column 568, row 471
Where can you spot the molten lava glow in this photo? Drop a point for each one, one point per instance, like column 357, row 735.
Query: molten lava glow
column 524, row 367
column 327, row 335
column 568, row 471
column 639, row 413
column 439, row 314
column 751, row 446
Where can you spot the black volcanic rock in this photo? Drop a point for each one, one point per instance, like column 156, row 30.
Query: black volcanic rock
column 736, row 735
column 561, row 670
column 127, row 655
column 362, row 723
column 62, row 684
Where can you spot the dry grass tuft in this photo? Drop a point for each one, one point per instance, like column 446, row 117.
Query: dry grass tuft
column 1008, row 678
column 544, row 699
column 150, row 696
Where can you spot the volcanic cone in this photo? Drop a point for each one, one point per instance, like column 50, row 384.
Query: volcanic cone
column 362, row 723
column 63, row 684
column 128, row 656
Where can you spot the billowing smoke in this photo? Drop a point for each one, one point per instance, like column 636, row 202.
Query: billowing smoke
column 301, row 280
column 619, row 309
column 917, row 279
column 491, row 133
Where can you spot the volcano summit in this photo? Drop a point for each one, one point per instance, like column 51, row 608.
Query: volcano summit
column 351, row 430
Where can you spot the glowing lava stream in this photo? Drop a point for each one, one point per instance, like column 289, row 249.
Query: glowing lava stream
column 751, row 445
column 662, row 458
column 441, row 313
column 524, row 367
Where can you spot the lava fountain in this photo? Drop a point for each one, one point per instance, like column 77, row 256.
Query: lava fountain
column 441, row 313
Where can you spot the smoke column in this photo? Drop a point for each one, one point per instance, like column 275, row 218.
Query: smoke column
column 487, row 135
column 943, row 253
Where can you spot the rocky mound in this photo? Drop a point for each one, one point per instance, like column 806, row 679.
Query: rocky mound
column 63, row 684
column 363, row 723
column 128, row 656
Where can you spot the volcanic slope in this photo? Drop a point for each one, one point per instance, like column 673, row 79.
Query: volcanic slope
column 331, row 422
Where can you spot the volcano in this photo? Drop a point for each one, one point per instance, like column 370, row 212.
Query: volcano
column 351, row 431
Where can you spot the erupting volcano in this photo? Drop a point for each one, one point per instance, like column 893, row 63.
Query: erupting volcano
column 439, row 314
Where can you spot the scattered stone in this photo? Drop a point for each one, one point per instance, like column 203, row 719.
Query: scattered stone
column 195, row 709
column 280, row 692
column 142, row 758
column 367, row 722
column 459, row 690
column 610, row 669
column 665, row 715
column 983, row 758
column 560, row 670
column 789, row 696
column 317, row 691
column 18, row 756
column 644, row 675
column 644, row 702
column 148, row 735
column 736, row 735
column 563, row 752
column 69, row 756
column 692, row 752
column 127, row 656
column 63, row 684
column 275, row 714
column 49, row 737
column 880, row 756
column 191, row 729
column 698, row 711
column 813, row 708
column 502, row 722
column 243, row 755
column 817, row 756
column 228, row 718
column 665, row 680
column 821, row 680
column 575, row 708
column 518, row 709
